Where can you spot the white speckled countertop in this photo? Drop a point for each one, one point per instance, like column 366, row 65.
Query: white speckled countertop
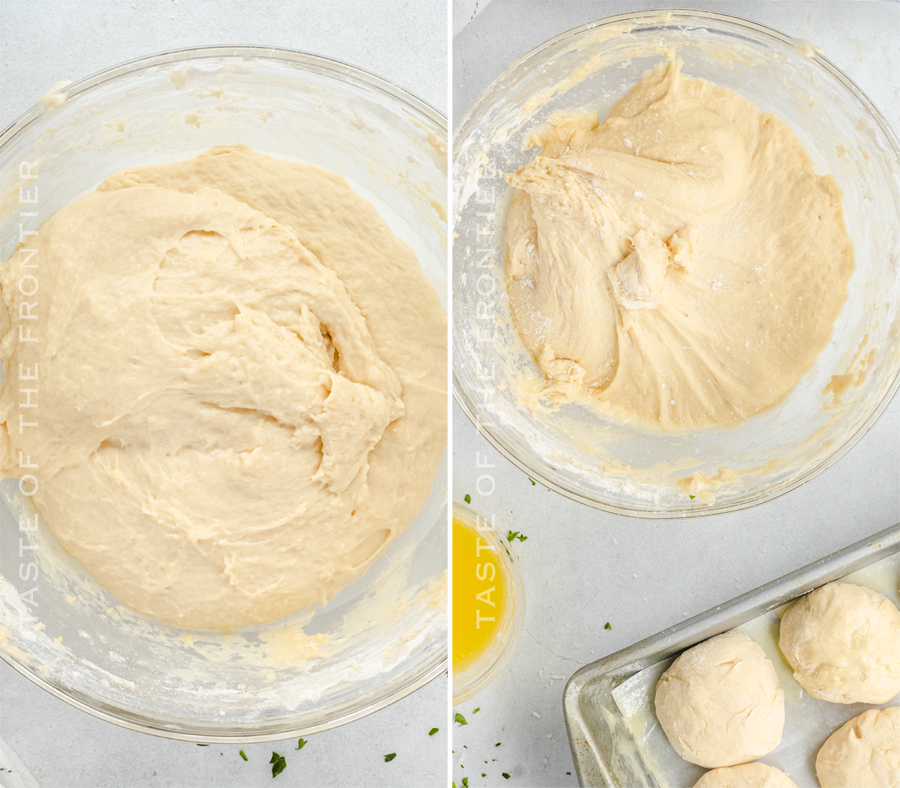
column 584, row 567
column 43, row 43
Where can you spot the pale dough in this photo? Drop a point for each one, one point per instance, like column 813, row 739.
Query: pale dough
column 241, row 385
column 864, row 753
column 843, row 643
column 720, row 703
column 680, row 265
column 747, row 775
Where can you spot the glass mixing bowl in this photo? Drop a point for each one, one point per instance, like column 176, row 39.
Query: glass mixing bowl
column 623, row 468
column 388, row 631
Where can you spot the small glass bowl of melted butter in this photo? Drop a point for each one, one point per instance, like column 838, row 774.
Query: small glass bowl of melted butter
column 488, row 601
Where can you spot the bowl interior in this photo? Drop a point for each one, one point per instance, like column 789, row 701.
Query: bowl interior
column 624, row 468
column 386, row 632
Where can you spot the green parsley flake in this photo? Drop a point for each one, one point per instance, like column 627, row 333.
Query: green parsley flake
column 433, row 731
column 389, row 757
column 243, row 755
column 497, row 744
column 465, row 782
column 533, row 482
column 692, row 497
column 515, row 535
column 468, row 498
column 505, row 776
column 278, row 764
column 460, row 719
column 607, row 625
column 301, row 743
column 477, row 710
column 202, row 745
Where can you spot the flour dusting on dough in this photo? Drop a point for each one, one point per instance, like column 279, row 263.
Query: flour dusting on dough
column 680, row 265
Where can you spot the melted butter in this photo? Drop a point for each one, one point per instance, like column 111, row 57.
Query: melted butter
column 480, row 593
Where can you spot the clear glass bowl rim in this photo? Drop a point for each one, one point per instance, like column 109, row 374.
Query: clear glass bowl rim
column 433, row 121
column 464, row 128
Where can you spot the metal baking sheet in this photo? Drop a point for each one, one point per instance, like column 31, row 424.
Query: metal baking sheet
column 615, row 738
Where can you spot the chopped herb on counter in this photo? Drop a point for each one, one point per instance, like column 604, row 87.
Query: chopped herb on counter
column 278, row 764
column 301, row 743
column 468, row 498
column 505, row 776
column 460, row 719
column 498, row 744
column 483, row 774
column 515, row 535
column 477, row 710
column 465, row 782
column 389, row 757
column 202, row 745
column 607, row 625
column 243, row 755
column 433, row 731
column 533, row 482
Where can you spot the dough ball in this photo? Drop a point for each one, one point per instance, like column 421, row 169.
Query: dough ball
column 843, row 642
column 747, row 775
column 720, row 702
column 864, row 753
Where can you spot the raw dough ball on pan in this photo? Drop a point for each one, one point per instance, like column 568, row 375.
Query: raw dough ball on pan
column 747, row 775
column 720, row 703
column 843, row 642
column 863, row 753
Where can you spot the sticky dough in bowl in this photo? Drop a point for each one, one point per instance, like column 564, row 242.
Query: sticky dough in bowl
column 622, row 467
column 382, row 636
